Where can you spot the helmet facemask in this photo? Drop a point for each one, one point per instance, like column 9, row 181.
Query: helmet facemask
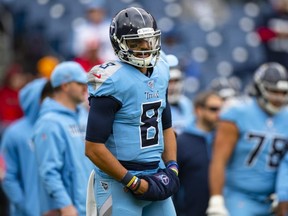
column 271, row 87
column 276, row 93
column 131, row 51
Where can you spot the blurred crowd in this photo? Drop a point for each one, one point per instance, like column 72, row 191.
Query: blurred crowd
column 212, row 46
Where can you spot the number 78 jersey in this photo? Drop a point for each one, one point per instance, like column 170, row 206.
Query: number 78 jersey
column 261, row 145
column 137, row 129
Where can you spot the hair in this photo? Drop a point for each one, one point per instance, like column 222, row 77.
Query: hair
column 201, row 98
column 47, row 90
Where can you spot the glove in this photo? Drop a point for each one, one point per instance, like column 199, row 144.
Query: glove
column 216, row 206
column 275, row 202
column 162, row 185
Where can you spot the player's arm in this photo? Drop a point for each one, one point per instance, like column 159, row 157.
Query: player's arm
column 225, row 140
column 170, row 147
column 103, row 109
column 169, row 154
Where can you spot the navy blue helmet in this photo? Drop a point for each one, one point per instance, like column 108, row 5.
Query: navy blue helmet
column 270, row 79
column 135, row 24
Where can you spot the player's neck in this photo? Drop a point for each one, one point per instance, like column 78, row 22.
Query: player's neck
column 143, row 70
column 146, row 71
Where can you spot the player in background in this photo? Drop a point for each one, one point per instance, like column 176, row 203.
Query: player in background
column 250, row 142
column 181, row 105
column 227, row 87
column 129, row 131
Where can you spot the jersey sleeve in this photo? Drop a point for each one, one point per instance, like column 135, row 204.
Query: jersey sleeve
column 100, row 82
column 102, row 109
column 167, row 116
column 232, row 114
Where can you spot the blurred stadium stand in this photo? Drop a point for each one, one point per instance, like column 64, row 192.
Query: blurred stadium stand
column 210, row 37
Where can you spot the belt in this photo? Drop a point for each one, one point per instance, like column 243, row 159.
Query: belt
column 138, row 166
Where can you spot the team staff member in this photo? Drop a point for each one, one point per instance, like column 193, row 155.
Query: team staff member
column 194, row 154
column 129, row 126
column 59, row 143
column 20, row 180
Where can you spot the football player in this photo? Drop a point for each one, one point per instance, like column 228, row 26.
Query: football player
column 129, row 132
column 181, row 105
column 250, row 142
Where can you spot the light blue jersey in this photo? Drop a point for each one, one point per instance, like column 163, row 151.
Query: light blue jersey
column 182, row 114
column 261, row 145
column 60, row 150
column 137, row 128
column 137, row 131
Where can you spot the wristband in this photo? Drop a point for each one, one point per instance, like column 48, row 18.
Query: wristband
column 131, row 181
column 173, row 165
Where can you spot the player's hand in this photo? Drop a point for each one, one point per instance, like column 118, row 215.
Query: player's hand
column 216, row 206
column 282, row 209
column 275, row 202
column 69, row 211
column 143, row 187
column 162, row 185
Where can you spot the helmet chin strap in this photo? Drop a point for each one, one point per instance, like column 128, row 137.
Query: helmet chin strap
column 268, row 107
column 147, row 62
column 141, row 62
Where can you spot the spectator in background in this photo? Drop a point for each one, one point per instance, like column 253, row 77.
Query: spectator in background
column 46, row 65
column 4, row 203
column 2, row 167
column 91, row 55
column 250, row 142
column 181, row 106
column 273, row 32
column 20, row 181
column 94, row 30
column 10, row 109
column 194, row 153
column 59, row 143
column 6, row 38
